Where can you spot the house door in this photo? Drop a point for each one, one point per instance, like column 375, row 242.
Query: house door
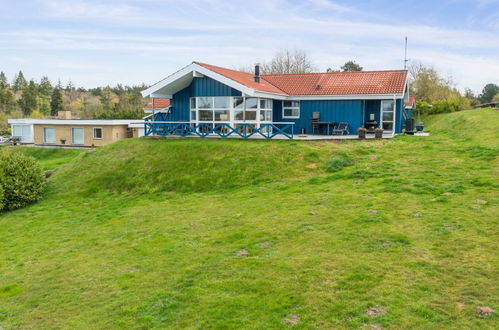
column 387, row 115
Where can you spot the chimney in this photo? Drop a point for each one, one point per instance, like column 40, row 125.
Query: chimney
column 64, row 114
column 257, row 73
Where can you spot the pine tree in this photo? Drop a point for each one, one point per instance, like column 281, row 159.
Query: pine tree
column 29, row 98
column 6, row 97
column 45, row 86
column 3, row 81
column 56, row 102
column 19, row 82
column 106, row 100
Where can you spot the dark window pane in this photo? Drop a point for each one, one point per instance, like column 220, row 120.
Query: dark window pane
column 250, row 115
column 205, row 115
column 238, row 115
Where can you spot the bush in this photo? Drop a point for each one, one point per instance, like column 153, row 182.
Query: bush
column 21, row 179
column 338, row 162
column 444, row 106
column 5, row 131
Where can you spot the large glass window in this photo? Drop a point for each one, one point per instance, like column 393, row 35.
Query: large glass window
column 220, row 109
column 77, row 135
column 290, row 109
column 24, row 132
column 49, row 135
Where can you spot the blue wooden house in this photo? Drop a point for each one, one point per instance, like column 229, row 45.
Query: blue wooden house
column 207, row 100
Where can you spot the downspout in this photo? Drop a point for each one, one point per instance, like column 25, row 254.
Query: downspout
column 363, row 121
column 394, row 115
column 153, row 114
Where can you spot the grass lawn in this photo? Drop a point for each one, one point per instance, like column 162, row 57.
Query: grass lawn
column 49, row 158
column 200, row 234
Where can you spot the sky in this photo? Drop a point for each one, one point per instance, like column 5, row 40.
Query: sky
column 98, row 42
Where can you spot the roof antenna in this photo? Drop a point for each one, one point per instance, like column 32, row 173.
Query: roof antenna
column 405, row 56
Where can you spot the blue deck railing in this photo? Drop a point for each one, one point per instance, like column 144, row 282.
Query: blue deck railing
column 223, row 130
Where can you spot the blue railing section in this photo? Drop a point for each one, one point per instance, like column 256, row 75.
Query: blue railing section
column 223, row 130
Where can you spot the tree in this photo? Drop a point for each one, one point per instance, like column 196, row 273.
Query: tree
column 29, row 98
column 56, row 102
column 6, row 97
column 107, row 100
column 3, row 81
column 488, row 93
column 19, row 82
column 45, row 87
column 287, row 61
column 351, row 66
column 77, row 106
column 468, row 93
column 427, row 84
column 71, row 92
column 7, row 101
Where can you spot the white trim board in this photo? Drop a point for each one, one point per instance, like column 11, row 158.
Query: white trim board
column 29, row 121
column 191, row 71
column 345, row 97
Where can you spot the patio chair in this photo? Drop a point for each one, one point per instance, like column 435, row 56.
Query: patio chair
column 315, row 121
column 341, row 129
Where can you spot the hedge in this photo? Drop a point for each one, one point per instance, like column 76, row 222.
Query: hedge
column 21, row 180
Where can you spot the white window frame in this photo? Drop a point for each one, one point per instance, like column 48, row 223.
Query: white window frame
column 22, row 127
column 290, row 108
column 72, row 137
column 101, row 133
column 394, row 102
column 231, row 120
column 45, row 135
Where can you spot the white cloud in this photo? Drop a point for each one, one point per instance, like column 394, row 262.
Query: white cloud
column 169, row 34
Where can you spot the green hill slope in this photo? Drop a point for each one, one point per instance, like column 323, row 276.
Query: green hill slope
column 260, row 234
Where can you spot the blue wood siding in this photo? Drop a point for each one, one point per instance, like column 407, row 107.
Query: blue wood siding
column 349, row 111
column 209, row 87
column 372, row 106
column 180, row 105
column 399, row 118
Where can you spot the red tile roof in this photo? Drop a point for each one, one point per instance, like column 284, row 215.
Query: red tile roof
column 244, row 78
column 411, row 102
column 340, row 83
column 159, row 104
column 327, row 83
